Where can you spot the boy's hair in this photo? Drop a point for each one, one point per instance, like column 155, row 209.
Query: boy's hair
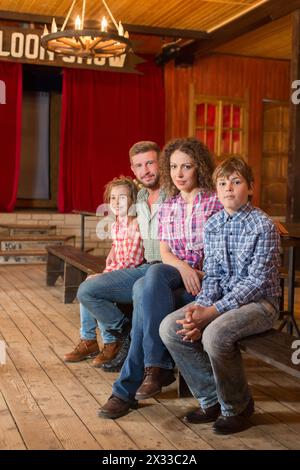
column 143, row 147
column 234, row 164
column 121, row 181
column 198, row 152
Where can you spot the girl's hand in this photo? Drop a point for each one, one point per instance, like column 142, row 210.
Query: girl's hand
column 110, row 259
column 190, row 278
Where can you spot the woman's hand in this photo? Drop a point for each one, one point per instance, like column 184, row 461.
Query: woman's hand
column 190, row 278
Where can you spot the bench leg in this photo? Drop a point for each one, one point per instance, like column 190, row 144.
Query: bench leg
column 55, row 268
column 73, row 277
column 182, row 388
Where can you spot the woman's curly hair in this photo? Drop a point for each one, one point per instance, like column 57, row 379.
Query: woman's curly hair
column 199, row 154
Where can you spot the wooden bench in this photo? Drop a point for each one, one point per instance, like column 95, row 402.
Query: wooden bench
column 73, row 265
column 273, row 347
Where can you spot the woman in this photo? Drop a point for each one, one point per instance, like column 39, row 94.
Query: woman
column 186, row 175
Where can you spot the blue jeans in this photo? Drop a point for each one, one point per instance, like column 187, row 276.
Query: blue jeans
column 154, row 297
column 213, row 367
column 88, row 325
column 98, row 296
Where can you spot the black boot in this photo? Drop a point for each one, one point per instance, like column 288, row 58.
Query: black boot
column 123, row 336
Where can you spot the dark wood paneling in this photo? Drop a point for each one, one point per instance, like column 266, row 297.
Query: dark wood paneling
column 236, row 77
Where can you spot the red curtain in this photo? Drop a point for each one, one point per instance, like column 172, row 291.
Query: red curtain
column 10, row 133
column 103, row 114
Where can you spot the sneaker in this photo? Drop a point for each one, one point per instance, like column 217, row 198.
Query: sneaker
column 115, row 407
column 85, row 349
column 109, row 352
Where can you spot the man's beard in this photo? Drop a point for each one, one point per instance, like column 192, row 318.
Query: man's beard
column 150, row 185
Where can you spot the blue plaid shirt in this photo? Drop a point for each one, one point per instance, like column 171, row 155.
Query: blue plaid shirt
column 241, row 259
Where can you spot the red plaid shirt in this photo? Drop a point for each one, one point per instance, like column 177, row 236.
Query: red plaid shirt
column 127, row 244
column 182, row 232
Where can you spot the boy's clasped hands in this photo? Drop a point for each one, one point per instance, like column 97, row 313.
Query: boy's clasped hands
column 196, row 319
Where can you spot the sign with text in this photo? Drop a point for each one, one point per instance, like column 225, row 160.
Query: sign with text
column 23, row 45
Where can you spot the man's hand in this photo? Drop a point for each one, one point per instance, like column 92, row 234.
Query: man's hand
column 196, row 319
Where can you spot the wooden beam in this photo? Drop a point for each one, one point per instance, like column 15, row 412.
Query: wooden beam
column 166, row 32
column 28, row 18
column 267, row 12
column 293, row 187
column 131, row 28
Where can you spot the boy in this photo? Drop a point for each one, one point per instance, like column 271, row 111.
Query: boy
column 239, row 297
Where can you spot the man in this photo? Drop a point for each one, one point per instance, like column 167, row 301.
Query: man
column 100, row 294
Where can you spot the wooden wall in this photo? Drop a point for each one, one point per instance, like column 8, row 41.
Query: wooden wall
column 232, row 76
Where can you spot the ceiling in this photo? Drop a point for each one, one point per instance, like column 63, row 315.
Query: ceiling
column 272, row 40
column 182, row 14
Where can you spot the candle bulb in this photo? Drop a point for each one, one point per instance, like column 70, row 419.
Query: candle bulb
column 77, row 23
column 104, row 24
column 45, row 32
column 121, row 29
column 53, row 26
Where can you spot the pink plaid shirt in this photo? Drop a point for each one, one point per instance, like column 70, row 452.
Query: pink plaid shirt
column 182, row 232
column 127, row 244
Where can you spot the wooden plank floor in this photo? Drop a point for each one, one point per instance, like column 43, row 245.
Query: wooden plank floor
column 47, row 404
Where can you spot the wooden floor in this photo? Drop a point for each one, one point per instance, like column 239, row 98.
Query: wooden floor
column 46, row 404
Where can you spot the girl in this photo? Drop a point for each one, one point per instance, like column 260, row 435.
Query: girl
column 126, row 252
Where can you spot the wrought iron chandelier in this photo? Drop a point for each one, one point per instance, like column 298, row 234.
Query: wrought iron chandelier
column 86, row 43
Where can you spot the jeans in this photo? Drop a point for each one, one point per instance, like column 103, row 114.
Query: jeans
column 88, row 325
column 99, row 294
column 213, row 367
column 154, row 297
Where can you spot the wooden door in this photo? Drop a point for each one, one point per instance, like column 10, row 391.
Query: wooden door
column 275, row 158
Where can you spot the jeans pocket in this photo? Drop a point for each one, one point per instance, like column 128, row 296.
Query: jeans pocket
column 270, row 310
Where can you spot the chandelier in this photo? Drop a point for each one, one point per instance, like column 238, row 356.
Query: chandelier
column 84, row 42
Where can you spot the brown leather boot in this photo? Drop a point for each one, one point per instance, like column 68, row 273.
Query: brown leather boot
column 154, row 379
column 84, row 350
column 115, row 408
column 203, row 416
column 109, row 352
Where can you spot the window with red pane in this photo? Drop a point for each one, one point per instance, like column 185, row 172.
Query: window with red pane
column 221, row 125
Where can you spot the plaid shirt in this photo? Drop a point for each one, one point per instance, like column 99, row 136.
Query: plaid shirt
column 182, row 232
column 242, row 257
column 127, row 244
column 148, row 223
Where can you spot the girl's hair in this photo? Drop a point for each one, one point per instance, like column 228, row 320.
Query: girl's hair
column 234, row 164
column 198, row 152
column 121, row 181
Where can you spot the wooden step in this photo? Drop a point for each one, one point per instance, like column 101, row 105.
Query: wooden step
column 26, row 228
column 36, row 238
column 23, row 257
column 28, row 242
